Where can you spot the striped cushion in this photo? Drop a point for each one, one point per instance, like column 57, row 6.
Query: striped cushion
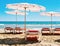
column 33, row 32
column 57, row 29
column 45, row 29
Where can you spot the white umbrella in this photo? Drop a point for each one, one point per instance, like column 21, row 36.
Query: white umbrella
column 51, row 14
column 31, row 7
column 15, row 12
column 26, row 7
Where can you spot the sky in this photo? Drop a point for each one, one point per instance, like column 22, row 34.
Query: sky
column 50, row 5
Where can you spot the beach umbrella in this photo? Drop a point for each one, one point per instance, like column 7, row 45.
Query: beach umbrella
column 16, row 12
column 51, row 14
column 21, row 6
column 26, row 7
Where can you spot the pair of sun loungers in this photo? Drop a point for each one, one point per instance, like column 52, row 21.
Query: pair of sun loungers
column 13, row 30
column 47, row 31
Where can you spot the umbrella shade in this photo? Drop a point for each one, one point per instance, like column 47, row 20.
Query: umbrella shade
column 10, row 6
column 16, row 12
column 31, row 7
column 51, row 13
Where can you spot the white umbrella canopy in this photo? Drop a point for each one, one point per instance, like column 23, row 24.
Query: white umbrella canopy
column 16, row 12
column 31, row 7
column 51, row 13
column 10, row 6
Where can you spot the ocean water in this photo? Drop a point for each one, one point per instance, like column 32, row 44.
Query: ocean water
column 30, row 24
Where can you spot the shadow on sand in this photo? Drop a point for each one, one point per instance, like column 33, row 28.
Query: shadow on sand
column 13, row 41
column 58, row 40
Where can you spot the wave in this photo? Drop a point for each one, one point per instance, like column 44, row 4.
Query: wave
column 1, row 24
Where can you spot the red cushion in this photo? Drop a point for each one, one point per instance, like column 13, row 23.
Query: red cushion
column 8, row 28
column 18, row 28
column 45, row 29
column 32, row 30
column 31, row 38
column 57, row 29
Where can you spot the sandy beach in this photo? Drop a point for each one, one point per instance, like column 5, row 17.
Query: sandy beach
column 29, row 23
column 18, row 40
column 46, row 40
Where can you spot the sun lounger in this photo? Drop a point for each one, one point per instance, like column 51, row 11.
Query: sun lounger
column 35, row 32
column 8, row 30
column 18, row 30
column 45, row 31
column 32, row 35
column 56, row 31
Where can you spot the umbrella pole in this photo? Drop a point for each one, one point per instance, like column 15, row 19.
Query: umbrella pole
column 51, row 22
column 16, row 21
column 51, row 28
column 25, row 22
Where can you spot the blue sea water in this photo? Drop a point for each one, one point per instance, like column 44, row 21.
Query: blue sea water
column 30, row 24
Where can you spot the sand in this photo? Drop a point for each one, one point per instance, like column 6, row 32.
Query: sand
column 45, row 41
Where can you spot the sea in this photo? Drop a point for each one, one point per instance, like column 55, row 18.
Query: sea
column 30, row 24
